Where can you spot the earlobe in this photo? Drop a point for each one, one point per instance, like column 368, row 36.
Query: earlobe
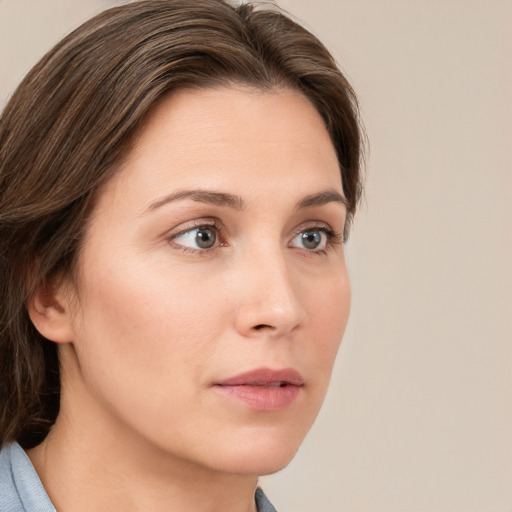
column 48, row 308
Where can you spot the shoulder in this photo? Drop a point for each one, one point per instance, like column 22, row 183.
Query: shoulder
column 20, row 487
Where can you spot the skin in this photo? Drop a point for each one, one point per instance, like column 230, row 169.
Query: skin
column 152, row 321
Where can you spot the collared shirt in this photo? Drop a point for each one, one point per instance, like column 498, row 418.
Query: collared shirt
column 22, row 491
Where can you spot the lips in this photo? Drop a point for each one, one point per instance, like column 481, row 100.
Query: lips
column 264, row 389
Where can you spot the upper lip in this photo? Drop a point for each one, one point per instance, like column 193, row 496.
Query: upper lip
column 264, row 377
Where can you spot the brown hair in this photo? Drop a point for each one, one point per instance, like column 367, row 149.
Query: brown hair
column 67, row 126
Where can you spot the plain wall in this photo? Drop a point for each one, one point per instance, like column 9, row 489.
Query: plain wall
column 419, row 414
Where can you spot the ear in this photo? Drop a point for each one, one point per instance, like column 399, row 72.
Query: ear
column 49, row 310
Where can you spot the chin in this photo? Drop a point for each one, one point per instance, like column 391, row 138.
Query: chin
column 263, row 454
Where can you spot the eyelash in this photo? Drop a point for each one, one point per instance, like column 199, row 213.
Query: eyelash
column 333, row 238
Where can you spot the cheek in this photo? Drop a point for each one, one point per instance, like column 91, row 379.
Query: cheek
column 141, row 328
column 143, row 295
column 328, row 312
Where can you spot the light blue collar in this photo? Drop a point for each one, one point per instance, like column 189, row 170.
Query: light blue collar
column 20, row 487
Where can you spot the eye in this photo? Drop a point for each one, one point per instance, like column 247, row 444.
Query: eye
column 200, row 237
column 313, row 239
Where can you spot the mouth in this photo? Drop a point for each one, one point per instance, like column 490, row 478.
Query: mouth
column 264, row 389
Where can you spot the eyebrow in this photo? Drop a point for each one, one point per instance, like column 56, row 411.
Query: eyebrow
column 201, row 196
column 321, row 198
column 237, row 203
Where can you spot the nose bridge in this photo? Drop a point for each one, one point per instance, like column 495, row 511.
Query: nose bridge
column 269, row 298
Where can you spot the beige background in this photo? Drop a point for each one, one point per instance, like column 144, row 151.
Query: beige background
column 419, row 415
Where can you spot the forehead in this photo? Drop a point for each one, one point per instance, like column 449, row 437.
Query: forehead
column 229, row 137
column 225, row 105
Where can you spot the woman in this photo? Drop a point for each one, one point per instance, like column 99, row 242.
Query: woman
column 177, row 179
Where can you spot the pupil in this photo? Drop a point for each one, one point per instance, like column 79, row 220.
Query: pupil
column 311, row 239
column 205, row 238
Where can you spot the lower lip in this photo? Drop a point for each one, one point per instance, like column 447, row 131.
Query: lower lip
column 263, row 398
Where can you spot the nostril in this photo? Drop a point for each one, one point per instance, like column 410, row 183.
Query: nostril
column 261, row 326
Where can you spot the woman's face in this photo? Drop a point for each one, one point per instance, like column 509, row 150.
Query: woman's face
column 212, row 286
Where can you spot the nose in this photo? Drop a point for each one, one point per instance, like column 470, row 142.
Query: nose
column 268, row 304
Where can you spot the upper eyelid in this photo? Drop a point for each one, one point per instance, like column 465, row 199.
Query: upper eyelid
column 312, row 225
column 212, row 221
column 190, row 226
column 195, row 224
